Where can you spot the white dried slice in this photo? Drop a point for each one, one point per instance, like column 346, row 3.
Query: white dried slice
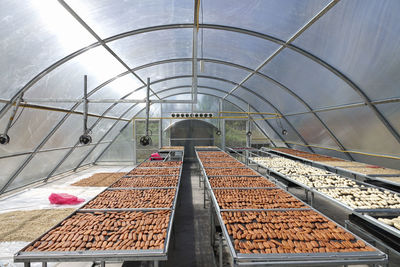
column 386, row 221
column 397, row 225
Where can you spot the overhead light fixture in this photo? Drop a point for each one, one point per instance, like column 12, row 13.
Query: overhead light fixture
column 173, row 115
column 218, row 132
column 249, row 133
column 284, row 132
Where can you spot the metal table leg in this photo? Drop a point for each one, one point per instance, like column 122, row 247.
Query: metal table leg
column 155, row 263
column 220, row 249
column 103, row 264
column 306, row 193
column 44, row 264
column 312, row 199
column 27, row 264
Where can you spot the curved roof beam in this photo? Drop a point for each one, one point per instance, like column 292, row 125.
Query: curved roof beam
column 99, row 119
column 105, row 149
column 233, row 83
column 216, row 27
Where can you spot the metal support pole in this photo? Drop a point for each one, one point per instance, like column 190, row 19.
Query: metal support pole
column 194, row 53
column 86, row 104
column 223, row 134
column 220, row 249
column 134, row 143
column 160, row 130
column 212, row 226
column 155, row 263
column 103, row 264
column 44, row 264
column 147, row 106
column 27, row 264
column 312, row 199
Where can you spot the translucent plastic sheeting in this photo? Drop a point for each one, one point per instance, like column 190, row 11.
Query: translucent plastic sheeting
column 68, row 133
column 148, row 47
column 33, row 173
column 235, row 47
column 119, row 87
column 114, row 131
column 222, row 85
column 384, row 162
column 100, row 129
column 283, row 101
column 305, row 77
column 29, row 129
column 254, row 100
column 166, row 70
column 277, row 18
column 222, row 71
column 134, row 110
column 270, row 132
column 108, row 19
column 213, row 92
column 242, row 105
column 362, row 41
column 186, row 90
column 116, row 111
column 26, row 31
column 122, row 148
column 72, row 161
column 328, row 152
column 161, row 85
column 359, row 129
column 8, row 167
column 312, row 130
column 281, row 124
column 392, row 113
column 67, row 81
column 95, row 153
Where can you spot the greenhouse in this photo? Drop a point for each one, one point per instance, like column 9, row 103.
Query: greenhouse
column 200, row 133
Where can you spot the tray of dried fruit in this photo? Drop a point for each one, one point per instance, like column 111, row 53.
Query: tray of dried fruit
column 240, row 182
column 252, row 199
column 265, row 226
column 363, row 198
column 207, row 148
column 387, row 221
column 146, row 181
column 103, row 235
column 119, row 224
column 284, row 237
column 154, row 171
column 160, row 164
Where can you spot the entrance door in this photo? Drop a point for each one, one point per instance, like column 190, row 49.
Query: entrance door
column 190, row 133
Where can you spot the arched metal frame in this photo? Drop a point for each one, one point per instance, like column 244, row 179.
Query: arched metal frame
column 134, row 105
column 185, row 93
column 296, row 49
column 103, row 42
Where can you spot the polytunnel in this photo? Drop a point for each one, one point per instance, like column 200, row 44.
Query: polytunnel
column 98, row 86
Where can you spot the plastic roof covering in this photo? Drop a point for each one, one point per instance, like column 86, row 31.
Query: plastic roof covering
column 329, row 67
